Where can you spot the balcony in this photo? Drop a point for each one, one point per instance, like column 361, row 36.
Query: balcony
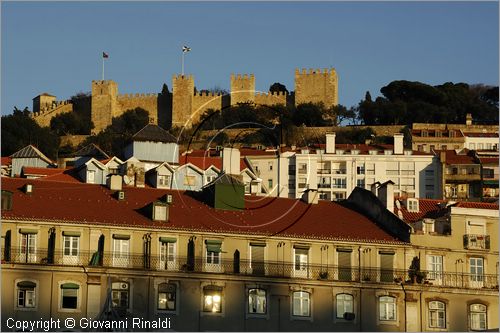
column 271, row 269
column 302, row 171
column 324, row 185
column 476, row 242
column 339, row 171
column 324, row 171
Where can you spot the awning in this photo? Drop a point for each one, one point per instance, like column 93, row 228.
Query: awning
column 168, row 239
column 26, row 284
column 71, row 233
column 386, row 252
column 492, row 183
column 213, row 245
column 301, row 246
column 344, row 250
column 70, row 286
column 118, row 236
column 257, row 244
column 28, row 231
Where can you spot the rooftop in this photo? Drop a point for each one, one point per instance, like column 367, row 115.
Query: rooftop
column 154, row 133
column 64, row 202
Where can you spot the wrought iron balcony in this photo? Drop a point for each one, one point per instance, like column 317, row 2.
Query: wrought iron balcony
column 276, row 269
column 477, row 242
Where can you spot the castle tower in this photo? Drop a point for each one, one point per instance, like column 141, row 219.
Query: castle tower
column 43, row 101
column 104, row 106
column 316, row 86
column 182, row 100
column 242, row 89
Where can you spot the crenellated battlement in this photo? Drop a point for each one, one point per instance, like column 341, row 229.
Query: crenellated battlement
column 138, row 95
column 312, row 71
column 242, row 76
column 49, row 109
column 271, row 93
column 207, row 94
column 182, row 77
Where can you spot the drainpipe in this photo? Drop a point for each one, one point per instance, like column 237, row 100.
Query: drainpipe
column 404, row 291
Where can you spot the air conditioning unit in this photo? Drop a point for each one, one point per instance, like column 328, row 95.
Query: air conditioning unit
column 124, row 286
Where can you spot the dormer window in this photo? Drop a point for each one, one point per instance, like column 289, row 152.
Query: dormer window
column 387, row 152
column 428, row 226
column 412, row 206
column 373, row 152
column 160, row 211
column 425, row 133
column 355, row 152
column 339, row 152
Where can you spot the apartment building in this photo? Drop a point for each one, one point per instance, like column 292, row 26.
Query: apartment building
column 219, row 260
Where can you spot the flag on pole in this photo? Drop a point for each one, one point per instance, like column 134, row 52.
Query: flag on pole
column 105, row 55
column 186, row 49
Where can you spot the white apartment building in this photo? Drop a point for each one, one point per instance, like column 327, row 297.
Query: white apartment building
column 336, row 169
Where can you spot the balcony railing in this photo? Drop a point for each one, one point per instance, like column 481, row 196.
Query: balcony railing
column 339, row 171
column 324, row 171
column 324, row 185
column 302, row 171
column 277, row 269
column 481, row 242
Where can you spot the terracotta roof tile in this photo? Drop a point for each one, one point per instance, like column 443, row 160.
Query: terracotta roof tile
column 6, row 160
column 34, row 171
column 96, row 205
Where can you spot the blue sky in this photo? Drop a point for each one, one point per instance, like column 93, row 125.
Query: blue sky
column 56, row 47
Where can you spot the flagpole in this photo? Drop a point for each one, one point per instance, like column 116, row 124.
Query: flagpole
column 103, row 68
column 182, row 63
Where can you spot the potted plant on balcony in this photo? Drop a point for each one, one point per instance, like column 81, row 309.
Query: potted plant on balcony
column 323, row 275
column 414, row 272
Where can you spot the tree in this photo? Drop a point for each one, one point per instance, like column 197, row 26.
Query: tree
column 20, row 130
column 277, row 87
column 70, row 123
column 309, row 114
column 337, row 114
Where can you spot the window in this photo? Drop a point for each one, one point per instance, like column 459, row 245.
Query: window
column 472, row 146
column 212, row 299
column 360, row 183
column 28, row 245
column 164, row 180
column 301, row 255
column 6, row 200
column 190, row 180
column 71, row 243
column 210, row 179
column 477, row 317
column 360, row 169
column 91, row 176
column 387, row 308
column 479, row 146
column 26, row 294
column 386, row 266
column 257, row 301
column 213, row 248
column 167, row 293
column 301, row 304
column 270, row 183
column 270, row 166
column 121, row 245
column 302, row 182
column 69, row 295
column 344, row 264
column 339, row 183
column 437, row 314
column 435, row 267
column 476, row 266
column 167, row 253
column 302, row 168
column 345, row 304
column 412, row 206
column 120, row 295
column 257, row 258
column 160, row 212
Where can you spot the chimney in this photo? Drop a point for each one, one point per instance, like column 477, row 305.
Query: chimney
column 386, row 195
column 373, row 188
column 398, row 143
column 115, row 183
column 330, row 143
column 310, row 196
column 231, row 161
column 468, row 119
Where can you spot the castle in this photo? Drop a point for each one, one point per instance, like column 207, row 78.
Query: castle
column 184, row 106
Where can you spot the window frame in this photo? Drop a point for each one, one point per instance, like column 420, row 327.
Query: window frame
column 387, row 304
column 301, row 267
column 27, row 246
column 120, row 255
column 167, row 293
column 470, row 313
column 441, row 322
column 337, row 301
column 70, row 258
column 78, row 296
column 212, row 291
column 120, row 292
column 24, row 290
column 263, row 298
column 301, row 298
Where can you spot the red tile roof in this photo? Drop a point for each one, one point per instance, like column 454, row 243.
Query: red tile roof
column 95, row 205
column 6, row 160
column 430, row 208
column 481, row 135
column 489, row 160
column 453, row 158
column 41, row 171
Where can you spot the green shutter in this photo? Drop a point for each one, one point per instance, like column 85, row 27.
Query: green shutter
column 26, row 284
column 168, row 240
column 70, row 286
column 28, row 231
column 72, row 233
column 213, row 245
column 301, row 246
column 117, row 236
column 257, row 244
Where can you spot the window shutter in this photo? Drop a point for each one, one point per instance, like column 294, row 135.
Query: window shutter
column 28, row 231
column 344, row 259
column 213, row 245
column 70, row 286
column 168, row 240
column 386, row 261
column 257, row 253
column 71, row 233
column 26, row 284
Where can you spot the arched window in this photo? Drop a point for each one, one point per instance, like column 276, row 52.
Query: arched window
column 301, row 304
column 167, row 295
column 387, row 308
column 477, row 317
column 345, row 304
column 437, row 314
column 257, row 301
column 26, row 294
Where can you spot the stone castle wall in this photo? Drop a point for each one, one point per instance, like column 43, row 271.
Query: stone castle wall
column 187, row 106
column 44, row 116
